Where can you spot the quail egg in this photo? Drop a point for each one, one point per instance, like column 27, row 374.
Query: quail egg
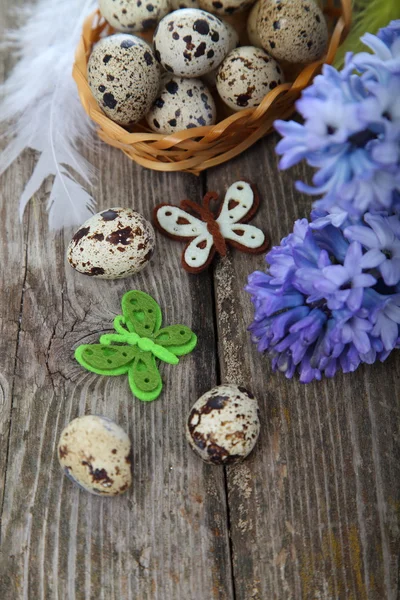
column 183, row 103
column 252, row 24
column 133, row 15
column 246, row 76
column 190, row 42
column 223, row 425
column 94, row 453
column 124, row 77
column 225, row 7
column 292, row 30
column 112, row 244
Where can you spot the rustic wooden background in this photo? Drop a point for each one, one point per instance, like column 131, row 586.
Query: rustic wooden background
column 313, row 513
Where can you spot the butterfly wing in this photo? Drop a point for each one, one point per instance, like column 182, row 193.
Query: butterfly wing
column 198, row 253
column 246, row 237
column 240, row 204
column 181, row 225
column 144, row 377
column 177, row 223
column 142, row 313
column 106, row 360
column 178, row 339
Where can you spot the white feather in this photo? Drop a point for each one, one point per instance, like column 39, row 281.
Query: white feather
column 41, row 101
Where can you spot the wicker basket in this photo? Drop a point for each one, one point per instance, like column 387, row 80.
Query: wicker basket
column 196, row 149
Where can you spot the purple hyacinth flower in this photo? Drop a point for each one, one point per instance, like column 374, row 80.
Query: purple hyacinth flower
column 324, row 305
column 351, row 132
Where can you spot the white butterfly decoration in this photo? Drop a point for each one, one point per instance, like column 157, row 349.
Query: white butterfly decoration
column 209, row 234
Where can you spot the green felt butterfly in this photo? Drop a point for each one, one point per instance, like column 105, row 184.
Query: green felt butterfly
column 137, row 343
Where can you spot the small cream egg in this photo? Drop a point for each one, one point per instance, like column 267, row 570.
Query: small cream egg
column 223, row 425
column 114, row 243
column 177, row 4
column 133, row 15
column 183, row 103
column 294, row 31
column 209, row 78
column 190, row 42
column 94, row 453
column 124, row 77
column 252, row 25
column 246, row 76
column 225, row 7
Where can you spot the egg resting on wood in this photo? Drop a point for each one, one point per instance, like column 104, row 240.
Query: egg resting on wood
column 94, row 453
column 223, row 425
column 112, row 244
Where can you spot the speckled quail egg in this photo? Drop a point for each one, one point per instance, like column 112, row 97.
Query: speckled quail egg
column 252, row 25
column 233, row 37
column 133, row 15
column 177, row 4
column 190, row 42
column 183, row 103
column 293, row 30
column 223, row 425
column 124, row 77
column 94, row 453
column 112, row 244
column 225, row 7
column 246, row 76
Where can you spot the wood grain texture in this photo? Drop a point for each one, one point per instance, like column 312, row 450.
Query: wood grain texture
column 13, row 260
column 167, row 537
column 61, row 542
column 314, row 511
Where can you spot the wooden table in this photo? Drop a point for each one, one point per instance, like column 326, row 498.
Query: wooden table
column 314, row 512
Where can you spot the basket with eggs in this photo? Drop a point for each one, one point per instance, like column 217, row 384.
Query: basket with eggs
column 183, row 85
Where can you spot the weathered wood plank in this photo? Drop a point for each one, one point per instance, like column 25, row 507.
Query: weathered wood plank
column 167, row 537
column 314, row 512
column 12, row 277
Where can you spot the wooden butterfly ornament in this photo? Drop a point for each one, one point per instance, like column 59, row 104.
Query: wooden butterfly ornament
column 206, row 233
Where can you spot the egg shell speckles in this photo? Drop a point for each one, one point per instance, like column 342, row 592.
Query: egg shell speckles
column 293, row 30
column 124, row 77
column 223, row 425
column 246, row 76
column 177, row 4
column 225, row 7
column 210, row 78
column 183, row 103
column 112, row 244
column 252, row 25
column 190, row 42
column 94, row 453
column 133, row 15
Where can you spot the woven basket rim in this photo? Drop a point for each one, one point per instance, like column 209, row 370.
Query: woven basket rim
column 199, row 148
